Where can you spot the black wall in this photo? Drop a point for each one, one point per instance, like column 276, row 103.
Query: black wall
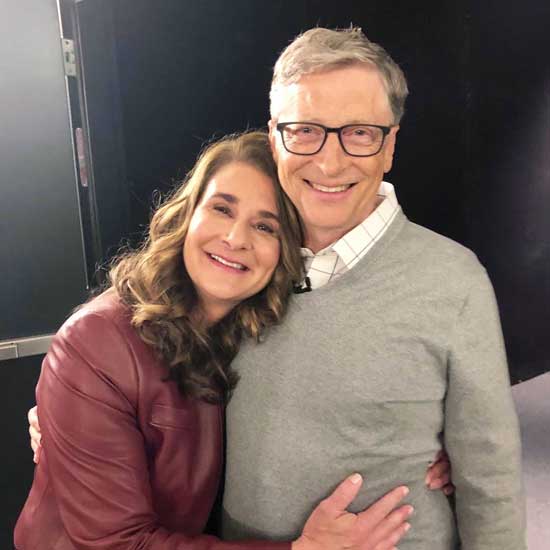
column 472, row 159
column 18, row 378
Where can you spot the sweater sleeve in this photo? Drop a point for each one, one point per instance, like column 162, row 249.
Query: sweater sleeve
column 94, row 451
column 481, row 429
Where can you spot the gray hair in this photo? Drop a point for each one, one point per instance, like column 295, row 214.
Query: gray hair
column 320, row 49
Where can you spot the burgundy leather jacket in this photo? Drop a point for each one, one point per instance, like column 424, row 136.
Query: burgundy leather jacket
column 127, row 463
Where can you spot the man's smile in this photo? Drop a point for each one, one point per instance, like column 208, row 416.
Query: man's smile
column 330, row 189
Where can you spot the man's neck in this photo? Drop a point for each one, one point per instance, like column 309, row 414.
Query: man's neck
column 316, row 240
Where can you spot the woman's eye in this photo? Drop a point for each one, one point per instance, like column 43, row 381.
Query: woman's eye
column 222, row 209
column 265, row 228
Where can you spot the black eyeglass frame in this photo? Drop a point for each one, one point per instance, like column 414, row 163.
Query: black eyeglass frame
column 282, row 125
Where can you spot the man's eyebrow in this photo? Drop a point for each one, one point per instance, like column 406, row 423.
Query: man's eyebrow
column 232, row 199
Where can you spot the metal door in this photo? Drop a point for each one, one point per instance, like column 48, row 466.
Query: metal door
column 42, row 266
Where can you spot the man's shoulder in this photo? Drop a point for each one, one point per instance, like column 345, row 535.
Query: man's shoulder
column 433, row 243
column 438, row 257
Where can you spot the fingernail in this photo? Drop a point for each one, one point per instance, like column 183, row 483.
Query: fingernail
column 405, row 491
column 406, row 527
column 356, row 478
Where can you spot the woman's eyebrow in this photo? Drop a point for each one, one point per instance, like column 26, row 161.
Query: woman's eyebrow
column 268, row 214
column 234, row 200
column 226, row 196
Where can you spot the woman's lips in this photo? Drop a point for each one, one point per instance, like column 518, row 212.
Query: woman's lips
column 224, row 262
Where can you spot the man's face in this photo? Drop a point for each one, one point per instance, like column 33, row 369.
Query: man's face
column 334, row 98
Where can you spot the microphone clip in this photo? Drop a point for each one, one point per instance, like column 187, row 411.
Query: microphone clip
column 300, row 289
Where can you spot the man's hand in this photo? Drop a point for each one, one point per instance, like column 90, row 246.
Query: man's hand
column 439, row 474
column 34, row 431
column 379, row 527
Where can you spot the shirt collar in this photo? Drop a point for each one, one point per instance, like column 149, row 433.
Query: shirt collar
column 353, row 246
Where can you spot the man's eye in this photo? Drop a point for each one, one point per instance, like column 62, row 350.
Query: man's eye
column 356, row 132
column 307, row 131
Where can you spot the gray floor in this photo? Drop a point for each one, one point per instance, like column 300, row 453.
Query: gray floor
column 533, row 405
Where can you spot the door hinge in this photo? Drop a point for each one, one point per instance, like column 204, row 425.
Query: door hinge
column 69, row 57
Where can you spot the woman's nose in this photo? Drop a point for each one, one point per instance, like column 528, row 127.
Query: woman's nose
column 238, row 236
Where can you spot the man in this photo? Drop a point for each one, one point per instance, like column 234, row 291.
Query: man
column 334, row 194
column 396, row 350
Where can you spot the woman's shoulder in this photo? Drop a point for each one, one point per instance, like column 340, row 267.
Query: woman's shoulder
column 99, row 328
column 106, row 305
column 98, row 342
column 104, row 314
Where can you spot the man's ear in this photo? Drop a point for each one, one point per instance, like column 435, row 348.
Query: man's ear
column 389, row 148
column 273, row 138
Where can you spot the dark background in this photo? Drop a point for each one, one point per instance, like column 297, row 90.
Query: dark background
column 472, row 160
column 473, row 151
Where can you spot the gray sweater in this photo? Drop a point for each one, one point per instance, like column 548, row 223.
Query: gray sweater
column 372, row 373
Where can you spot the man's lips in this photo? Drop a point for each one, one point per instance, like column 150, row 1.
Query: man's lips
column 226, row 262
column 329, row 188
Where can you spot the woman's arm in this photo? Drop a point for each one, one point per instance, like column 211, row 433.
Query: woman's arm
column 104, row 497
column 438, row 475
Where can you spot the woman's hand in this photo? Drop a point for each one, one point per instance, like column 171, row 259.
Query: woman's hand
column 36, row 436
column 379, row 527
column 439, row 474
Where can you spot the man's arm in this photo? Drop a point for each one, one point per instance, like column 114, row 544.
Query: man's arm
column 481, row 429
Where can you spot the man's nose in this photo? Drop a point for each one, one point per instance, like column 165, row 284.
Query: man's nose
column 332, row 159
column 238, row 236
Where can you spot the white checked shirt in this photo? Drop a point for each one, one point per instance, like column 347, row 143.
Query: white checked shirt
column 343, row 255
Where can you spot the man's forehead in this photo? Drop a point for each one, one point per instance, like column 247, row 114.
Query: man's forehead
column 339, row 94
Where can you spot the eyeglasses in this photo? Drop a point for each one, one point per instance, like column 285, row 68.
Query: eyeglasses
column 357, row 140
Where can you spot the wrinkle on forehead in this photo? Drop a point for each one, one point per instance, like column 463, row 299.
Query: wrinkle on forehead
column 335, row 97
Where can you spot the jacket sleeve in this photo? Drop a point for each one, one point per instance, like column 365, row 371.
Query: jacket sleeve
column 481, row 429
column 94, row 451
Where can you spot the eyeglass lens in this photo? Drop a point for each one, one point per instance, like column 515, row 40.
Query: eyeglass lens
column 306, row 139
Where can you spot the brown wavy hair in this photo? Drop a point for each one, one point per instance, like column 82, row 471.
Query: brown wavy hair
column 154, row 283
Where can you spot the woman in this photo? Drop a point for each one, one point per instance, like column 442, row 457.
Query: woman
column 132, row 390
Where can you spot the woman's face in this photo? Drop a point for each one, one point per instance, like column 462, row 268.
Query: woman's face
column 232, row 246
